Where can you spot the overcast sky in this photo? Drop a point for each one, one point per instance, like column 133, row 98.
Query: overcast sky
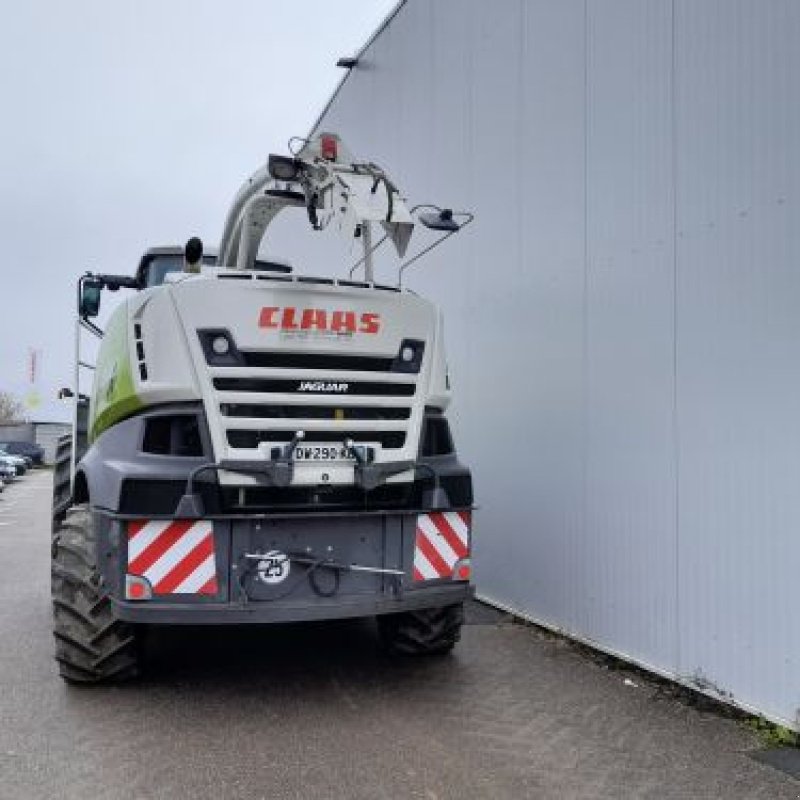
column 131, row 123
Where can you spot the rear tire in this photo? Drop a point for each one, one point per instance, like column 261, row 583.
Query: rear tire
column 62, row 465
column 430, row 631
column 92, row 646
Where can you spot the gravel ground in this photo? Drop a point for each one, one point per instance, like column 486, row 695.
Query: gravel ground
column 314, row 711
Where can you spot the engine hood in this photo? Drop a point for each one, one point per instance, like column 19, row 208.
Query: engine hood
column 296, row 314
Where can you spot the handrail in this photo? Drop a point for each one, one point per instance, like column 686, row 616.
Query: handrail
column 91, row 327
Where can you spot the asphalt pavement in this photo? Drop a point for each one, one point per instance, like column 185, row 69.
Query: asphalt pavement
column 315, row 711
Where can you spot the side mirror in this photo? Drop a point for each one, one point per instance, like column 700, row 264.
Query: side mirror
column 441, row 221
column 90, row 298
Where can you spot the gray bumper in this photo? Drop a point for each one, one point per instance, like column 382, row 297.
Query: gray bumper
column 261, row 612
column 337, row 566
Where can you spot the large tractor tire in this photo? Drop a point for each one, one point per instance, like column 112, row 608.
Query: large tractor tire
column 62, row 466
column 431, row 631
column 62, row 498
column 92, row 646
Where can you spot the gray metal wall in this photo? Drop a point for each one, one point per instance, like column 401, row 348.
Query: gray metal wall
column 45, row 434
column 16, row 432
column 624, row 315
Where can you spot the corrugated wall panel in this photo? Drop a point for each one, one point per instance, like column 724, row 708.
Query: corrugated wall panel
column 622, row 317
column 542, row 383
column 513, row 333
column 628, row 585
column 738, row 115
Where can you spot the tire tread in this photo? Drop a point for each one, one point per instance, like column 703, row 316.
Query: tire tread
column 429, row 631
column 92, row 646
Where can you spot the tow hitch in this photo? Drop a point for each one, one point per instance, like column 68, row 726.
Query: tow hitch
column 273, row 567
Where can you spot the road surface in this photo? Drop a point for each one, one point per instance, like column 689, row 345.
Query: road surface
column 314, row 711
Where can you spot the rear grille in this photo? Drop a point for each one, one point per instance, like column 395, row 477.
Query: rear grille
column 408, row 359
column 306, row 385
column 314, row 412
column 267, row 396
column 317, row 361
column 251, row 439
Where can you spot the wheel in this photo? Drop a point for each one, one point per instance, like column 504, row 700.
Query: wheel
column 61, row 479
column 430, row 631
column 92, row 646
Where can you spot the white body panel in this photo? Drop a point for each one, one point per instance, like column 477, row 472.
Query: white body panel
column 171, row 375
column 171, row 316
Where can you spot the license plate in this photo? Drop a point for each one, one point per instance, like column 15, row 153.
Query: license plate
column 322, row 452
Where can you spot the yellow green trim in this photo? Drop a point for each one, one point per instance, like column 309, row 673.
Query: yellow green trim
column 114, row 394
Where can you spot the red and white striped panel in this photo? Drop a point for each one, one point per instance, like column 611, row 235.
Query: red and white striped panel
column 176, row 556
column 442, row 539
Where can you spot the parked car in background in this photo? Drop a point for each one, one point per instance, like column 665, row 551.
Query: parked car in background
column 31, row 450
column 18, row 462
column 7, row 470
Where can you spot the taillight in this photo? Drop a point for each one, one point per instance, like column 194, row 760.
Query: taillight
column 137, row 588
column 328, row 147
column 462, row 570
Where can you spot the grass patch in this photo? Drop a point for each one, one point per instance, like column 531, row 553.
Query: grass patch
column 771, row 734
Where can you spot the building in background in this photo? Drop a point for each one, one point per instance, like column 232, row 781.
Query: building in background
column 45, row 434
column 623, row 318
